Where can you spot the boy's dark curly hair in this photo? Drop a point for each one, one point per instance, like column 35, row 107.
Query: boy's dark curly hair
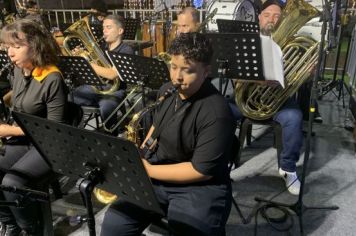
column 192, row 46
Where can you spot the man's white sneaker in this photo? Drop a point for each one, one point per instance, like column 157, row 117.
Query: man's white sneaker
column 292, row 181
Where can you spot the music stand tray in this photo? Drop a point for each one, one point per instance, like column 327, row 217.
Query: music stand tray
column 240, row 53
column 235, row 26
column 4, row 59
column 139, row 70
column 97, row 31
column 131, row 26
column 79, row 153
column 79, row 70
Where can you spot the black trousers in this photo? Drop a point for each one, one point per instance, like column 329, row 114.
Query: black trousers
column 22, row 166
column 190, row 210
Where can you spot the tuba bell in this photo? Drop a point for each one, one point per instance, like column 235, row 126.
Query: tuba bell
column 92, row 52
column 300, row 54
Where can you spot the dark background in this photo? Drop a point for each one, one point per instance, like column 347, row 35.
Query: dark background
column 64, row 4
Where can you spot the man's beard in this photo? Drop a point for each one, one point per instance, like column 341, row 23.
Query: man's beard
column 267, row 29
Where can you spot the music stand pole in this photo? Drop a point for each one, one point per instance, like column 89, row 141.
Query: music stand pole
column 299, row 207
column 222, row 72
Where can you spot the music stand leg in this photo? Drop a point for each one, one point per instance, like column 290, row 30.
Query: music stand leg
column 86, row 189
column 239, row 212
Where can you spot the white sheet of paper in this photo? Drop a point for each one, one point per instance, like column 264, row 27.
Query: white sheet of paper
column 272, row 59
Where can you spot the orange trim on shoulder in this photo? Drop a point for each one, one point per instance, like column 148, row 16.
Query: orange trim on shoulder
column 40, row 73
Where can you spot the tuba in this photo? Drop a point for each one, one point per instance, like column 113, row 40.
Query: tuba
column 133, row 135
column 300, row 54
column 92, row 52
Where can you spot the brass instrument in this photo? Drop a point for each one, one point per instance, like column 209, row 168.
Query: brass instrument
column 165, row 57
column 300, row 54
column 133, row 129
column 92, row 52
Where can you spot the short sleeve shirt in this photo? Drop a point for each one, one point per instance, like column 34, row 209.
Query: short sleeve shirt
column 199, row 129
column 45, row 99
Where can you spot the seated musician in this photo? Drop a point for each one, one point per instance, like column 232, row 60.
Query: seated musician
column 188, row 20
column 38, row 89
column 113, row 29
column 194, row 130
column 289, row 116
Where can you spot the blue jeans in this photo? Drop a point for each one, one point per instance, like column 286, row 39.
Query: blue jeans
column 190, row 210
column 290, row 118
column 85, row 96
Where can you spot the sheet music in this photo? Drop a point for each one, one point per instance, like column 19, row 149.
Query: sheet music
column 272, row 60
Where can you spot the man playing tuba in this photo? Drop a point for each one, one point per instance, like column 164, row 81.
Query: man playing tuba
column 289, row 115
column 113, row 30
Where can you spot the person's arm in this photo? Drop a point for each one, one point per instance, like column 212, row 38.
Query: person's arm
column 7, row 130
column 10, row 130
column 181, row 173
column 148, row 136
column 107, row 73
column 7, row 98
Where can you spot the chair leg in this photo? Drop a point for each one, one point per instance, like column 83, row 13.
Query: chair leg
column 249, row 134
column 242, row 136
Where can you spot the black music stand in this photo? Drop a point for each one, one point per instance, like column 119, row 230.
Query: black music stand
column 98, row 159
column 235, row 26
column 4, row 65
column 77, row 71
column 4, row 58
column 236, row 56
column 145, row 71
column 131, row 26
column 97, row 31
column 142, row 71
